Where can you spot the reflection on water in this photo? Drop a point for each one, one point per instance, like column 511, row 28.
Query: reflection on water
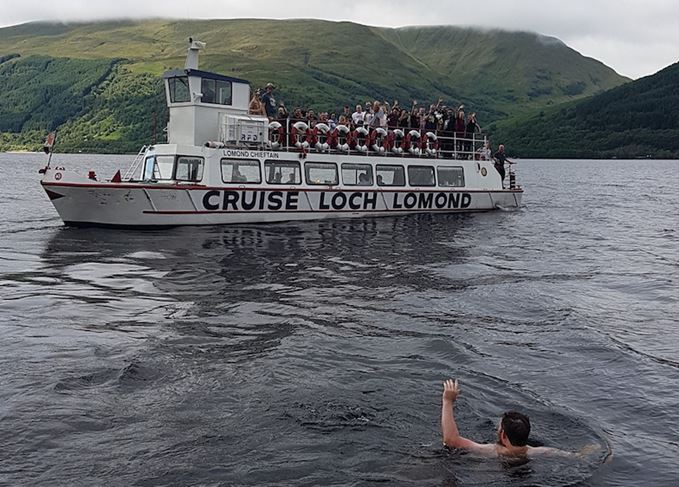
column 313, row 353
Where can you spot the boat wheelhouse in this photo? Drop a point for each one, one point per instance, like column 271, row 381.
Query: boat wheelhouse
column 223, row 165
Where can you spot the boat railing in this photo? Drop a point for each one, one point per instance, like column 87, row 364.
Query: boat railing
column 135, row 164
column 446, row 145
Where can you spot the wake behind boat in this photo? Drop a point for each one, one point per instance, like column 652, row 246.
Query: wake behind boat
column 223, row 165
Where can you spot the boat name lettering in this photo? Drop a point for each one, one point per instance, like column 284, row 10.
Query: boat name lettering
column 428, row 201
column 251, row 154
column 251, row 200
column 261, row 200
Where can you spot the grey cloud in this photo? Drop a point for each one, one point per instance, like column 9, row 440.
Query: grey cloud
column 633, row 37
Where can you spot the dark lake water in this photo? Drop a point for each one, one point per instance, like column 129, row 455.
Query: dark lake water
column 313, row 353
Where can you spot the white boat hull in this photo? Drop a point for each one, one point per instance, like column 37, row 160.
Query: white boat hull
column 80, row 201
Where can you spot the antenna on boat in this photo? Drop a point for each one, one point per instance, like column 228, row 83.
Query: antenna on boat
column 192, row 55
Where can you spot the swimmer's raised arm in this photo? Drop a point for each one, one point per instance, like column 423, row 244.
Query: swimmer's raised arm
column 451, row 435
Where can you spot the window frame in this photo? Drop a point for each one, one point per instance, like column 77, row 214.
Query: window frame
column 156, row 167
column 176, row 166
column 231, row 159
column 217, row 86
column 269, row 162
column 400, row 166
column 438, row 178
column 357, row 164
column 418, row 166
column 308, row 180
column 172, row 87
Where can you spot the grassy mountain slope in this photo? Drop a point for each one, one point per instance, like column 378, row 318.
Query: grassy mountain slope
column 314, row 63
column 634, row 120
column 517, row 68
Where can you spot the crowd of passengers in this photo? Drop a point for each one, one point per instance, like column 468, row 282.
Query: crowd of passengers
column 447, row 122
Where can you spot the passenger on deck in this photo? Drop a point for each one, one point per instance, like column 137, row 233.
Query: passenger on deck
column 460, row 128
column 430, row 121
column 380, row 180
column 512, row 432
column 379, row 118
column 414, row 122
column 404, row 119
column 346, row 112
column 311, row 119
column 369, row 114
column 487, row 151
column 269, row 101
column 282, row 113
column 470, row 131
column 297, row 116
column 332, row 121
column 393, row 117
column 256, row 107
column 358, row 117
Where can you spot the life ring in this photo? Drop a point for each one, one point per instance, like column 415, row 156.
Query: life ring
column 342, row 135
column 379, row 140
column 320, row 137
column 276, row 135
column 430, row 144
column 361, row 139
column 396, row 141
column 299, row 135
column 412, row 142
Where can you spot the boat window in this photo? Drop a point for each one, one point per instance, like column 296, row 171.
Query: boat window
column 282, row 172
column 215, row 91
column 179, row 89
column 451, row 176
column 357, row 174
column 149, row 167
column 163, row 167
column 321, row 173
column 189, row 169
column 224, row 92
column 421, row 176
column 207, row 88
column 244, row 171
column 390, row 175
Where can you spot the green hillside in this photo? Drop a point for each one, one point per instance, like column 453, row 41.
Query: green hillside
column 638, row 119
column 314, row 63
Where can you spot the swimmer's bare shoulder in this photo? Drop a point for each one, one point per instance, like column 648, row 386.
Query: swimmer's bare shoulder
column 542, row 451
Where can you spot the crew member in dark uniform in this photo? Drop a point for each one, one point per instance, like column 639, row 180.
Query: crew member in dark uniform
column 500, row 159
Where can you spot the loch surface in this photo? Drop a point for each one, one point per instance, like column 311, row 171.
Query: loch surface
column 313, row 353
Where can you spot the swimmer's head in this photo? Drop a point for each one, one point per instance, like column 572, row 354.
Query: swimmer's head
column 515, row 428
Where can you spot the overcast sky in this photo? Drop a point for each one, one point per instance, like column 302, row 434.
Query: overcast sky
column 634, row 37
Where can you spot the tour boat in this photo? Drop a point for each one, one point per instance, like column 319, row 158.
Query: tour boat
column 223, row 165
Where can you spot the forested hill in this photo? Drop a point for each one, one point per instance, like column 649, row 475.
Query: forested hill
column 99, row 82
column 638, row 119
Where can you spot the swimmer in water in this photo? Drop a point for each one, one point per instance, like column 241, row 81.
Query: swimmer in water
column 512, row 432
